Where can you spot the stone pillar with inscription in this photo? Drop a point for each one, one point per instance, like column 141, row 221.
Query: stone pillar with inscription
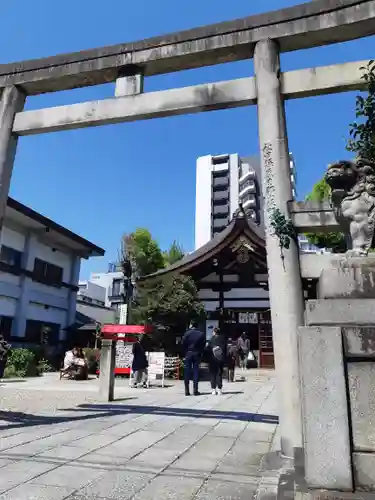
column 107, row 370
column 286, row 298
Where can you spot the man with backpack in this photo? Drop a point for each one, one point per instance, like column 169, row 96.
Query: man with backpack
column 217, row 347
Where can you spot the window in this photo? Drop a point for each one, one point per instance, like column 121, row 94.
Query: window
column 39, row 333
column 47, row 273
column 6, row 326
column 116, row 288
column 10, row 256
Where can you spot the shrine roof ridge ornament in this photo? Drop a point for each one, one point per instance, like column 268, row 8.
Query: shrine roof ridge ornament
column 302, row 26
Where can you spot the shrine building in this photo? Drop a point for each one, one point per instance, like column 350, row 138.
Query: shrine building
column 230, row 272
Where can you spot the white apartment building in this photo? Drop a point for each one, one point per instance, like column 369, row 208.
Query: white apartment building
column 39, row 264
column 222, row 183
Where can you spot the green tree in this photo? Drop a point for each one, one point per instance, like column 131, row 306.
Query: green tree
column 142, row 251
column 335, row 241
column 174, row 254
column 168, row 302
column 362, row 132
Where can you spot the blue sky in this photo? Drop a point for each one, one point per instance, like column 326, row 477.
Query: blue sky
column 102, row 182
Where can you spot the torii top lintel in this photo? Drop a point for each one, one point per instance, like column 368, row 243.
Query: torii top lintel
column 310, row 24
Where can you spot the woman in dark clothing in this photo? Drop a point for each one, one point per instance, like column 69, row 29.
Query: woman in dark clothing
column 4, row 350
column 139, row 365
column 217, row 347
column 231, row 359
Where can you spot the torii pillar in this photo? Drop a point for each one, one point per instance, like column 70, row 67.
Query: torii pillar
column 285, row 285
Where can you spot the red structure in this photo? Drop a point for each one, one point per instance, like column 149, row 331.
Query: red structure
column 124, row 333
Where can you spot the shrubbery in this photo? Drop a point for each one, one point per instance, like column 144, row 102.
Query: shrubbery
column 25, row 363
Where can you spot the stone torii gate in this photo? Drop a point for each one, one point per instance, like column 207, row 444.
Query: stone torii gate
column 262, row 37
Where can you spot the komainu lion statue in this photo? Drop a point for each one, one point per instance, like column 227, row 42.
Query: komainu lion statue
column 352, row 186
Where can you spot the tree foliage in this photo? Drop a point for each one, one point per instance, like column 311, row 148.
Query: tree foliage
column 334, row 241
column 362, row 131
column 168, row 302
column 174, row 253
column 143, row 252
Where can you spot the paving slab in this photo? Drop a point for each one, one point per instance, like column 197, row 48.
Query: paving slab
column 20, row 472
column 170, row 488
column 220, row 490
column 30, row 491
column 116, row 485
column 72, row 475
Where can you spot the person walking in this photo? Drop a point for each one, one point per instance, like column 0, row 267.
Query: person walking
column 243, row 346
column 139, row 364
column 4, row 350
column 217, row 347
column 193, row 344
column 232, row 355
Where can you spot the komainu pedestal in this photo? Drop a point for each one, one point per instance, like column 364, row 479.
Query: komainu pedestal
column 337, row 374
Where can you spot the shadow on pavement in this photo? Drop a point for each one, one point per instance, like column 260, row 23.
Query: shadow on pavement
column 19, row 419
column 180, row 412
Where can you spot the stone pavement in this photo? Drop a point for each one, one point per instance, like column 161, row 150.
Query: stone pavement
column 58, row 442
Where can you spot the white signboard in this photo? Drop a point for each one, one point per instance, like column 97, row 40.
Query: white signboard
column 248, row 318
column 156, row 364
column 123, row 311
column 124, row 354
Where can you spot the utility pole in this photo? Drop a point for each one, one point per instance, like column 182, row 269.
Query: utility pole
column 127, row 292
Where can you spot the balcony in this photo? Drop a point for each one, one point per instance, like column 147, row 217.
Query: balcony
column 248, row 187
column 220, row 182
column 248, row 201
column 220, row 196
column 250, row 174
column 223, row 213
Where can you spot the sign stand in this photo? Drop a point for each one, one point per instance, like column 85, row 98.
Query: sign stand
column 156, row 364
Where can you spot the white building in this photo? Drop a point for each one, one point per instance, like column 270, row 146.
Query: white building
column 91, row 308
column 222, row 182
column 40, row 264
column 112, row 282
column 91, row 293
